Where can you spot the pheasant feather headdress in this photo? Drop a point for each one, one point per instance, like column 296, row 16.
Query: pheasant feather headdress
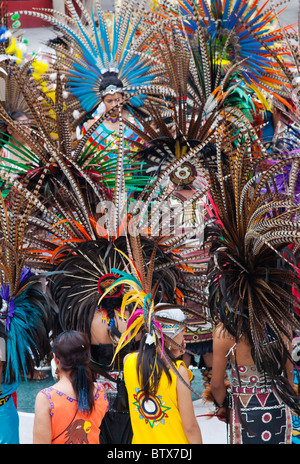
column 85, row 245
column 50, row 156
column 202, row 99
column 236, row 32
column 145, row 294
column 26, row 312
column 102, row 45
column 253, row 269
column 287, row 100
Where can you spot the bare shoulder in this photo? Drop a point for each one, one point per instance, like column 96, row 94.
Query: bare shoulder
column 41, row 402
column 182, row 370
column 222, row 340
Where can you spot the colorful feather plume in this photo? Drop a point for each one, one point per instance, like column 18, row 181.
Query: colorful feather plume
column 100, row 44
column 237, row 32
column 26, row 312
column 151, row 286
column 203, row 98
column 49, row 156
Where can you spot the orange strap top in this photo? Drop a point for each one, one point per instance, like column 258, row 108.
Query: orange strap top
column 70, row 426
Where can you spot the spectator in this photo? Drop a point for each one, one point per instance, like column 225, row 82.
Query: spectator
column 161, row 407
column 71, row 411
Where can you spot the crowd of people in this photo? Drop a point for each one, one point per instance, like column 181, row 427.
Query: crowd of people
column 149, row 220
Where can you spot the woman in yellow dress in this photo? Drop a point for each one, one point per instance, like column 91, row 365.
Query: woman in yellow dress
column 160, row 403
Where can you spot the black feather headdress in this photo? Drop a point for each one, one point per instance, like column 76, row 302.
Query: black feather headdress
column 253, row 269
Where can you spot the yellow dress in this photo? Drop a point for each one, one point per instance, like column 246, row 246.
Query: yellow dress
column 158, row 419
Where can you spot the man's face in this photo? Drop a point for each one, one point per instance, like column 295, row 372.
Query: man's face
column 112, row 100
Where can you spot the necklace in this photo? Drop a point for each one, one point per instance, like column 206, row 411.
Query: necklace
column 112, row 120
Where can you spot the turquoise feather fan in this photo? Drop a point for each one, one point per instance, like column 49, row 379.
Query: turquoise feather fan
column 103, row 43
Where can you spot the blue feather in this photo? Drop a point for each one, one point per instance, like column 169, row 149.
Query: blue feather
column 99, row 46
column 234, row 17
column 20, row 341
column 125, row 275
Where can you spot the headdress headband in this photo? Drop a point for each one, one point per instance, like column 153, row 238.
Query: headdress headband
column 111, row 90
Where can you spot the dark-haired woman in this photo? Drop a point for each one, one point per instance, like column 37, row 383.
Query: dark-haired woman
column 106, row 136
column 71, row 411
column 161, row 407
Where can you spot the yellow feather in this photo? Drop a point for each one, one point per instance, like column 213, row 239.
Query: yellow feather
column 134, row 328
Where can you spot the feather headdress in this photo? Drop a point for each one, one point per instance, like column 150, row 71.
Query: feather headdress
column 287, row 100
column 101, row 46
column 26, row 310
column 253, row 269
column 236, row 32
column 202, row 99
column 145, row 293
column 49, row 155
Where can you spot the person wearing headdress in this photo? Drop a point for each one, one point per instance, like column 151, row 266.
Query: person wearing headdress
column 251, row 276
column 158, row 385
column 106, row 137
column 160, row 402
column 108, row 59
column 77, row 285
column 71, row 411
column 25, row 316
column 48, row 150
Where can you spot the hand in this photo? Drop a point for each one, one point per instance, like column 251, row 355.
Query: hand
column 221, row 414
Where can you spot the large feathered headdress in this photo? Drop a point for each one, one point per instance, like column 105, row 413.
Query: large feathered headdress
column 104, row 46
column 203, row 98
column 253, row 269
column 146, row 294
column 50, row 156
column 26, row 308
column 236, row 32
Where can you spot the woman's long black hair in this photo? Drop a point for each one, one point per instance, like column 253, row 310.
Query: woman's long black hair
column 72, row 348
column 150, row 367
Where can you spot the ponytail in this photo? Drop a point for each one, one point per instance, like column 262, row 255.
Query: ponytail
column 73, row 350
column 81, row 385
column 150, row 367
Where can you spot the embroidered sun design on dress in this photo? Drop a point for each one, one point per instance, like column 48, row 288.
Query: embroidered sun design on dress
column 153, row 410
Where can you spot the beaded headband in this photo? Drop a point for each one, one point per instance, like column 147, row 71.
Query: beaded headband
column 111, row 90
